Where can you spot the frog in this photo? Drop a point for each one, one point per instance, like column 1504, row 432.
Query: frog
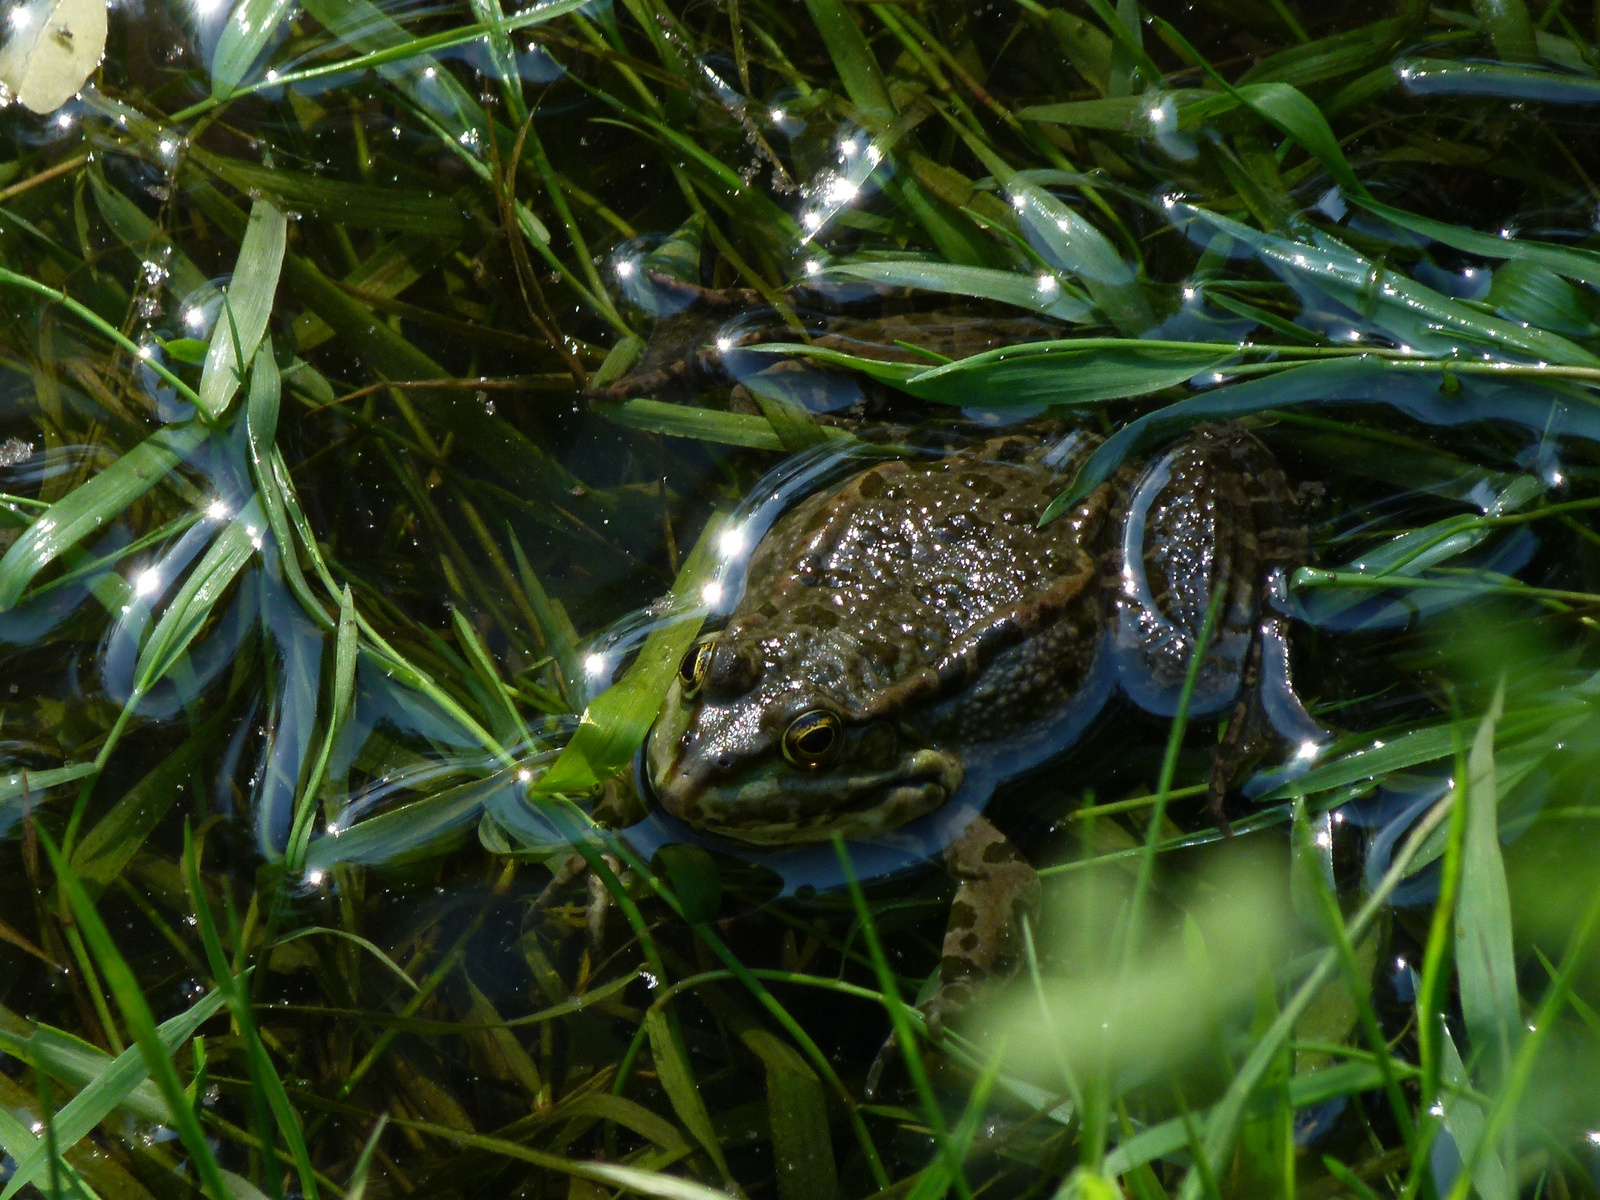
column 911, row 638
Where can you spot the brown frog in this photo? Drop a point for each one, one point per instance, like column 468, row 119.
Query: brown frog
column 910, row 638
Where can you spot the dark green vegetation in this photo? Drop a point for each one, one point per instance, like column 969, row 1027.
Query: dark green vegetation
column 348, row 596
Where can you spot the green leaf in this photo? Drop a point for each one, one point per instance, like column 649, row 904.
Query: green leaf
column 365, row 27
column 398, row 833
column 693, row 874
column 17, row 787
column 853, row 59
column 1070, row 243
column 702, row 424
column 1507, row 24
column 247, row 305
column 797, row 1112
column 1525, row 291
column 93, row 505
column 1447, row 77
column 1485, row 959
column 186, row 350
column 249, row 30
column 192, row 607
column 1398, row 305
column 124, row 987
column 980, row 283
column 107, row 848
column 356, row 1189
column 678, row 1081
column 1067, row 372
column 616, row 722
column 112, row 1085
column 263, row 1075
column 363, row 206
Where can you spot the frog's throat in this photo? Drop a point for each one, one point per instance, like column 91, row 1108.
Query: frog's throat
column 777, row 805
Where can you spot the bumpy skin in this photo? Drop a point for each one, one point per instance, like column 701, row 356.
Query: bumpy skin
column 921, row 606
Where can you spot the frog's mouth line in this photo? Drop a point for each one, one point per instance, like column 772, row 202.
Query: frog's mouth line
column 801, row 809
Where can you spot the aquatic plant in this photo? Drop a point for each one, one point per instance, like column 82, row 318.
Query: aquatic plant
column 310, row 536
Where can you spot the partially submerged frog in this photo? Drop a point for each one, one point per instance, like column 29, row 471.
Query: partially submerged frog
column 910, row 638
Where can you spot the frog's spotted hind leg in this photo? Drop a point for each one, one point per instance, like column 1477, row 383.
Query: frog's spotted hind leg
column 983, row 942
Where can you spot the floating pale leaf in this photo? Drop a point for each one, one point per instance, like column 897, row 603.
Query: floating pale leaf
column 55, row 46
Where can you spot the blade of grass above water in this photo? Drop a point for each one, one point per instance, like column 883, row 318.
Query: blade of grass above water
column 109, row 1089
column 615, row 723
column 93, row 505
column 247, row 304
column 249, row 30
column 1485, row 960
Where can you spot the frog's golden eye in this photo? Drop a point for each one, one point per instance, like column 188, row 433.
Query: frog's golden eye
column 692, row 670
column 812, row 739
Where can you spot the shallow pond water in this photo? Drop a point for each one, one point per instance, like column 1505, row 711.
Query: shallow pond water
column 393, row 392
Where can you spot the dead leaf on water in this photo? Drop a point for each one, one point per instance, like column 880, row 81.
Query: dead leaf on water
column 55, row 45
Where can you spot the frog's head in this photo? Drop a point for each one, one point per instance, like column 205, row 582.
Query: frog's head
column 753, row 744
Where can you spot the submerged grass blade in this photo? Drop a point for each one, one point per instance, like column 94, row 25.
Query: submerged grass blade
column 135, row 1011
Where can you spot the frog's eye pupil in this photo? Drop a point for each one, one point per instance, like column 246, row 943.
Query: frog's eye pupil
column 692, row 670
column 812, row 739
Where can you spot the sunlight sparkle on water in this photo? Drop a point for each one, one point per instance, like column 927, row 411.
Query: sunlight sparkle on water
column 712, row 593
column 314, row 878
column 217, row 510
column 21, row 18
column 148, row 582
column 779, row 116
column 1048, row 285
column 1308, row 750
column 625, row 269
column 813, row 266
column 194, row 317
column 731, row 542
column 595, row 665
column 524, row 775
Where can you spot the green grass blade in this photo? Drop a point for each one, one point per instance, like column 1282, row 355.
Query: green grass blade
column 93, row 505
column 192, row 607
column 1222, row 1124
column 853, row 59
column 1485, row 959
column 99, row 859
column 108, row 1090
column 263, row 1074
column 678, row 1081
column 19, row 787
column 616, row 722
column 1037, row 293
column 1508, row 26
column 249, row 303
column 124, row 986
column 249, row 30
column 357, row 1187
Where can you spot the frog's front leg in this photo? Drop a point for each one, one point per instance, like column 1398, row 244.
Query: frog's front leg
column 983, row 943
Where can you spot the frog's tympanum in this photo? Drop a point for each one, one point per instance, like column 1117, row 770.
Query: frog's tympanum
column 915, row 631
